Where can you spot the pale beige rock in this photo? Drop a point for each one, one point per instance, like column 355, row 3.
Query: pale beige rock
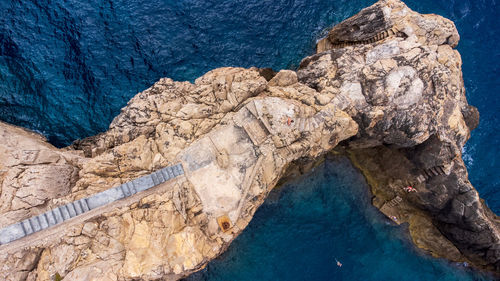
column 167, row 235
column 235, row 135
column 284, row 78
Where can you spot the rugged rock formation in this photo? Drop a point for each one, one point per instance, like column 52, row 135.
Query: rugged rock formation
column 234, row 148
column 396, row 73
column 385, row 84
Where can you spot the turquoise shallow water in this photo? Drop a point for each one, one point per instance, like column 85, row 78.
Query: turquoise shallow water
column 67, row 67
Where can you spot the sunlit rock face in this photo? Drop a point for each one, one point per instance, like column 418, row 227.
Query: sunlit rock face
column 386, row 82
column 233, row 132
column 397, row 75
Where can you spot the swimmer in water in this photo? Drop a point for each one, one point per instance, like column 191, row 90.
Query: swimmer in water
column 339, row 264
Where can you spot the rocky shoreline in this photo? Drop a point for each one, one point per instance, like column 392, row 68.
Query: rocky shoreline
column 385, row 89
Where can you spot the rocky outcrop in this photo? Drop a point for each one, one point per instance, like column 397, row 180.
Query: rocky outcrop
column 234, row 133
column 385, row 88
column 396, row 73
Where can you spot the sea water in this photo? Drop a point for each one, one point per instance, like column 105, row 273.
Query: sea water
column 68, row 66
column 307, row 225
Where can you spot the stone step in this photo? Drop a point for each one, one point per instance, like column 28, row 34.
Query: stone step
column 427, row 175
column 125, row 190
column 314, row 124
column 441, row 170
column 35, row 224
column 170, row 172
column 26, row 225
column 78, row 208
column 438, row 171
column 266, row 124
column 42, row 219
column 155, row 179
column 295, row 123
column 420, row 179
column 85, row 204
column 164, row 173
column 302, row 123
column 178, row 169
column 252, row 108
column 140, row 184
column 51, row 218
column 65, row 212
column 307, row 126
column 160, row 176
column 57, row 215
column 318, row 119
column 434, row 171
column 131, row 187
column 71, row 210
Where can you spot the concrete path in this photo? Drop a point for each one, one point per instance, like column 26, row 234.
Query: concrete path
column 73, row 211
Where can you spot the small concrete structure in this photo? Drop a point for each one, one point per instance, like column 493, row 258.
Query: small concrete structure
column 221, row 188
column 224, row 223
column 65, row 212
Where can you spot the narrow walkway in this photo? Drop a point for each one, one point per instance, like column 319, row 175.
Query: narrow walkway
column 73, row 209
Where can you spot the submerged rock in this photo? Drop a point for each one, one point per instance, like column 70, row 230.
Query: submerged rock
column 385, row 87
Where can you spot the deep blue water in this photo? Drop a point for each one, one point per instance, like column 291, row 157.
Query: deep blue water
column 68, row 66
column 304, row 226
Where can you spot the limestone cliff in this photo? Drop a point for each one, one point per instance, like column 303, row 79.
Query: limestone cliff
column 400, row 79
column 385, row 88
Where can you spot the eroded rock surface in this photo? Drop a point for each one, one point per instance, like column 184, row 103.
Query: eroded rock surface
column 386, row 85
column 397, row 75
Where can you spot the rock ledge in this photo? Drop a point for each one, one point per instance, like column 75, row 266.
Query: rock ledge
column 385, row 88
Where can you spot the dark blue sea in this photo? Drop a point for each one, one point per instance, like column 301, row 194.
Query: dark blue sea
column 68, row 66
